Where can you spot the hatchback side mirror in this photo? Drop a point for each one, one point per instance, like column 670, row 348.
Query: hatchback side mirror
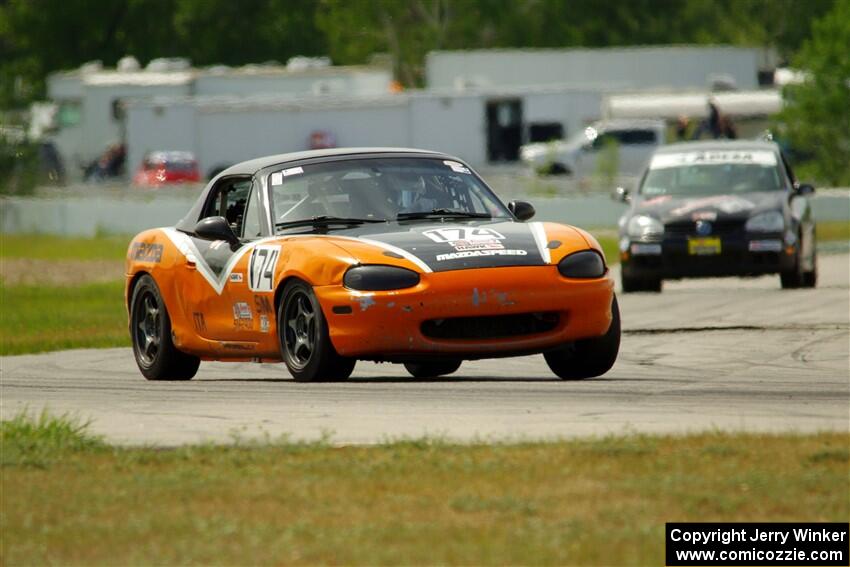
column 621, row 194
column 216, row 228
column 804, row 189
column 521, row 210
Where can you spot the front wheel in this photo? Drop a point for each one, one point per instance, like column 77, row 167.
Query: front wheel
column 631, row 284
column 432, row 369
column 588, row 357
column 150, row 330
column 304, row 340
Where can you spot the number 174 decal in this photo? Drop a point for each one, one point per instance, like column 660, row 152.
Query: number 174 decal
column 261, row 267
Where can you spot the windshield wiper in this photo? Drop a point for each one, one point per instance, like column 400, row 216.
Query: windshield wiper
column 324, row 221
column 443, row 213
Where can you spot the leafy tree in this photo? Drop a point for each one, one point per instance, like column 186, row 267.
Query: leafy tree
column 817, row 115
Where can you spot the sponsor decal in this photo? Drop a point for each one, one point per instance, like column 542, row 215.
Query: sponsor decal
column 724, row 203
column 264, row 323
column 262, row 304
column 261, row 267
column 243, row 317
column 704, row 216
column 146, row 252
column 237, row 346
column 757, row 157
column 480, row 253
column 199, row 322
column 464, row 239
column 457, row 167
column 236, row 277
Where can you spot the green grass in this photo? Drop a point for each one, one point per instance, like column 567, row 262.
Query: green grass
column 49, row 247
column 832, row 231
column 602, row 501
column 45, row 318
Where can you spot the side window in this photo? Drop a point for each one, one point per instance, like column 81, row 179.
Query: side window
column 251, row 223
column 228, row 200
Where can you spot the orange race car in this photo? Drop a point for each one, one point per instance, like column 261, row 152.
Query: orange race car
column 326, row 257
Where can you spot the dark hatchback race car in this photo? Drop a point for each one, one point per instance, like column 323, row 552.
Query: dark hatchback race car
column 709, row 209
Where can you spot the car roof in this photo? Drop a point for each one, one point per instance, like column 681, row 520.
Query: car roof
column 252, row 166
column 628, row 123
column 171, row 156
column 718, row 146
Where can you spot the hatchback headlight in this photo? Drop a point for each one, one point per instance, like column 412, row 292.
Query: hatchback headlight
column 641, row 226
column 377, row 277
column 584, row 264
column 771, row 221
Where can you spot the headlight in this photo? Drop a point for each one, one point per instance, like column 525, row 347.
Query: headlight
column 379, row 278
column 641, row 226
column 771, row 221
column 584, row 264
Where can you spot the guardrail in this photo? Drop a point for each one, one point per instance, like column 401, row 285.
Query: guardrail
column 120, row 210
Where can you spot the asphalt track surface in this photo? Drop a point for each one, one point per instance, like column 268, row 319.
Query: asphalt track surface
column 730, row 354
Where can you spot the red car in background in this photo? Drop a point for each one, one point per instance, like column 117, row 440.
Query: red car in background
column 164, row 168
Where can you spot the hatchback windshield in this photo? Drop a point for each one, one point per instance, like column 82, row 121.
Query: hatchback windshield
column 712, row 173
column 380, row 189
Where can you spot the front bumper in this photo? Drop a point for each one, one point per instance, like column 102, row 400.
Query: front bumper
column 515, row 310
column 750, row 255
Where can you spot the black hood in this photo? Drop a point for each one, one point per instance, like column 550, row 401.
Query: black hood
column 458, row 245
column 671, row 208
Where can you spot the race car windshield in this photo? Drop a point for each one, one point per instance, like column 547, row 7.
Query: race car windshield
column 712, row 174
column 377, row 189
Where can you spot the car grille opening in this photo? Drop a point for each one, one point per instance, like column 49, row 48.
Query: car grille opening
column 491, row 327
column 718, row 228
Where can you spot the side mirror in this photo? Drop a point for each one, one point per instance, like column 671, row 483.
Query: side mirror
column 521, row 210
column 621, row 194
column 216, row 228
column 804, row 189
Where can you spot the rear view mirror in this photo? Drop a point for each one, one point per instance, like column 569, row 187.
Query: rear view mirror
column 216, row 228
column 521, row 210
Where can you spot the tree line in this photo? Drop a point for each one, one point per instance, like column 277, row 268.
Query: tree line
column 41, row 36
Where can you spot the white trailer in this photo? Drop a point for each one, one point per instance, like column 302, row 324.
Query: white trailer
column 479, row 126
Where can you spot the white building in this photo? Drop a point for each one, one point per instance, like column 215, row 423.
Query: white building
column 672, row 67
column 90, row 101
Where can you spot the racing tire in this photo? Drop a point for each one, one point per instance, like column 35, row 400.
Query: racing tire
column 432, row 369
column 588, row 358
column 305, row 343
column 810, row 278
column 150, row 331
column 631, row 285
column 796, row 278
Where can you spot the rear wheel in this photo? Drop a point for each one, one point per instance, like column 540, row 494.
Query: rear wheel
column 432, row 369
column 150, row 330
column 304, row 340
column 588, row 357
